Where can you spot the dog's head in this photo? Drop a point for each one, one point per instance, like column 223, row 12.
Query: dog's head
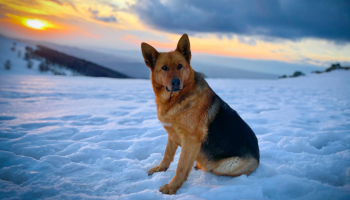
column 170, row 70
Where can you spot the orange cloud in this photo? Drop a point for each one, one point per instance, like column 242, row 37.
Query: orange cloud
column 131, row 38
column 210, row 46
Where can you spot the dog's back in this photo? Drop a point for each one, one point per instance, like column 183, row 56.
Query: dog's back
column 228, row 135
column 228, row 138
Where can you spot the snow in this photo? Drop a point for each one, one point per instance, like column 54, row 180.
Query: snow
column 19, row 64
column 96, row 138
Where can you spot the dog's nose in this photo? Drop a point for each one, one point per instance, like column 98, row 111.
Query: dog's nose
column 175, row 82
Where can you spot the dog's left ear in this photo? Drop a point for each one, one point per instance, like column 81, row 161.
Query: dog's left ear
column 183, row 46
column 150, row 55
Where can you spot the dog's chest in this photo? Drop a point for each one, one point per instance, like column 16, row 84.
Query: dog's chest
column 176, row 117
column 182, row 122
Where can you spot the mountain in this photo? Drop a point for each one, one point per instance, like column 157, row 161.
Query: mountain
column 121, row 63
column 79, row 65
column 21, row 58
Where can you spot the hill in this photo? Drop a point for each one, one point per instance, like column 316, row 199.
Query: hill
column 21, row 58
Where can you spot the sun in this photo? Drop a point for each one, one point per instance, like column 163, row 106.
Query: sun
column 36, row 24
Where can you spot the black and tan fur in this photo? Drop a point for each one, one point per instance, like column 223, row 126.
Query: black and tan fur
column 197, row 119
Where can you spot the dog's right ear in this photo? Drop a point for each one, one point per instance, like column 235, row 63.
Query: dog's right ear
column 183, row 47
column 150, row 54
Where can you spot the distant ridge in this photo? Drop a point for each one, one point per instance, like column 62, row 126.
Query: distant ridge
column 82, row 66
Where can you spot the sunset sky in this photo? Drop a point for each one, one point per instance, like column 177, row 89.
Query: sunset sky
column 313, row 33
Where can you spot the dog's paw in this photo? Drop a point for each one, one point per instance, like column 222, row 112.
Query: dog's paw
column 168, row 189
column 196, row 167
column 156, row 169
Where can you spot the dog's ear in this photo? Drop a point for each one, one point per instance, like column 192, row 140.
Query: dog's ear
column 183, row 46
column 150, row 54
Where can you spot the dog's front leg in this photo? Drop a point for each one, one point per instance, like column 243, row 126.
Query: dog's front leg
column 169, row 154
column 189, row 151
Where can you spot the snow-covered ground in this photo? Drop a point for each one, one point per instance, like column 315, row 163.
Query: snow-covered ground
column 96, row 138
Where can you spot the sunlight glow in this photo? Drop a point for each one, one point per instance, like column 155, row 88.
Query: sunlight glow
column 36, row 24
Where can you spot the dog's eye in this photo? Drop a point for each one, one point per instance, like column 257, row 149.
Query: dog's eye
column 179, row 67
column 165, row 68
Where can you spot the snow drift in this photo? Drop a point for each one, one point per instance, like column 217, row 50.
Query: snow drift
column 96, row 138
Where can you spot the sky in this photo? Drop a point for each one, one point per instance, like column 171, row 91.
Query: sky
column 296, row 33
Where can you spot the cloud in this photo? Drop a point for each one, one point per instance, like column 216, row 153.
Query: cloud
column 243, row 40
column 274, row 18
column 62, row 2
column 94, row 12
column 56, row 1
column 108, row 19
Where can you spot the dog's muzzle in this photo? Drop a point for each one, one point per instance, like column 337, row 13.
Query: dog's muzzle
column 173, row 89
column 175, row 85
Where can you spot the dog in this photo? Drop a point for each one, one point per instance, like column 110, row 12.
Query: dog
column 206, row 128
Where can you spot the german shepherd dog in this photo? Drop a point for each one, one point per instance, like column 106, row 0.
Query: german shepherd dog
column 208, row 130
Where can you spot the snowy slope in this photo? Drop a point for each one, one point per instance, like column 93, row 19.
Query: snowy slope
column 14, row 52
column 18, row 64
column 96, row 138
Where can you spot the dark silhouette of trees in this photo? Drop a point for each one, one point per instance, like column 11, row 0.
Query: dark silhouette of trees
column 75, row 64
column 7, row 64
column 29, row 53
column 13, row 48
column 296, row 74
column 44, row 67
column 334, row 66
column 29, row 64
